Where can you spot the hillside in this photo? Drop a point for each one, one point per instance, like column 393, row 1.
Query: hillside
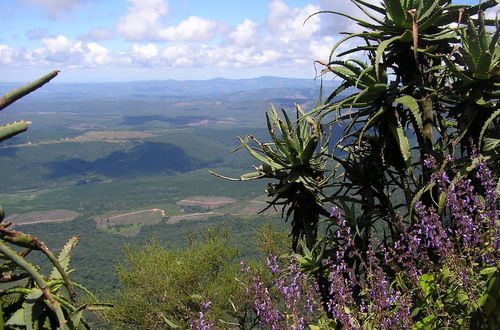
column 118, row 163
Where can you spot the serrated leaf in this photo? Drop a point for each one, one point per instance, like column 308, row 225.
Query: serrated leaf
column 373, row 119
column 395, row 12
column 490, row 144
column 380, row 51
column 410, row 102
column 64, row 257
column 17, row 318
column 404, row 145
column 487, row 123
column 9, row 130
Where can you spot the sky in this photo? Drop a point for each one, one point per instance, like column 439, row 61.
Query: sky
column 129, row 40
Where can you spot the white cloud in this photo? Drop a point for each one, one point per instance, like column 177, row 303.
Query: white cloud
column 173, row 52
column 191, row 29
column 321, row 48
column 61, row 44
column 245, row 33
column 96, row 55
column 287, row 23
column 281, row 43
column 142, row 20
column 179, row 55
column 333, row 24
column 35, row 56
column 144, row 54
column 6, row 54
column 73, row 53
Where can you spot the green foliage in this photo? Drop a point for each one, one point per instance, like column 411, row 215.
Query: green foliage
column 159, row 287
column 29, row 299
column 293, row 160
column 421, row 82
column 440, row 296
column 33, row 300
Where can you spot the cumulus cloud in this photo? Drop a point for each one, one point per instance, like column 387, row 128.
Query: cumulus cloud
column 287, row 23
column 144, row 54
column 6, row 54
column 61, row 44
column 57, row 8
column 178, row 55
column 281, row 41
column 73, row 53
column 191, row 29
column 245, row 33
column 96, row 55
column 142, row 19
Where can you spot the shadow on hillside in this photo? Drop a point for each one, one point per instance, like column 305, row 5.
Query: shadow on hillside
column 149, row 158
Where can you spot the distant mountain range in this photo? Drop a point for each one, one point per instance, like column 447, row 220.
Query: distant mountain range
column 168, row 88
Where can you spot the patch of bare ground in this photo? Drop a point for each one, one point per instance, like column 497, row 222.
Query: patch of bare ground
column 92, row 136
column 193, row 216
column 42, row 217
column 209, row 203
column 109, row 136
column 142, row 217
column 84, row 126
column 254, row 207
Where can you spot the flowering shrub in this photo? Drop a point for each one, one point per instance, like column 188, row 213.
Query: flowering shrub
column 413, row 240
column 443, row 271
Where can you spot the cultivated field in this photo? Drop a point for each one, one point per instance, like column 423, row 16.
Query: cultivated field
column 204, row 202
column 42, row 216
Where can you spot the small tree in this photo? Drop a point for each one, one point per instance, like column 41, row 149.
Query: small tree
column 162, row 288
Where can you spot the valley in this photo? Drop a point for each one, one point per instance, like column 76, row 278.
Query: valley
column 120, row 168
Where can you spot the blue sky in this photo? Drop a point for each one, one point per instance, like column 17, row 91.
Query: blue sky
column 123, row 40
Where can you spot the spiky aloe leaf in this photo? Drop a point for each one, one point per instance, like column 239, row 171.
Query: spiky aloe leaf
column 381, row 48
column 395, row 12
column 18, row 93
column 487, row 124
column 404, row 145
column 373, row 119
column 29, row 304
column 17, row 319
column 9, row 130
column 491, row 144
column 412, row 104
column 64, row 257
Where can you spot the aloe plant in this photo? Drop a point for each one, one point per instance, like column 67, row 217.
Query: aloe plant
column 28, row 298
column 420, row 83
column 427, row 88
column 297, row 158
